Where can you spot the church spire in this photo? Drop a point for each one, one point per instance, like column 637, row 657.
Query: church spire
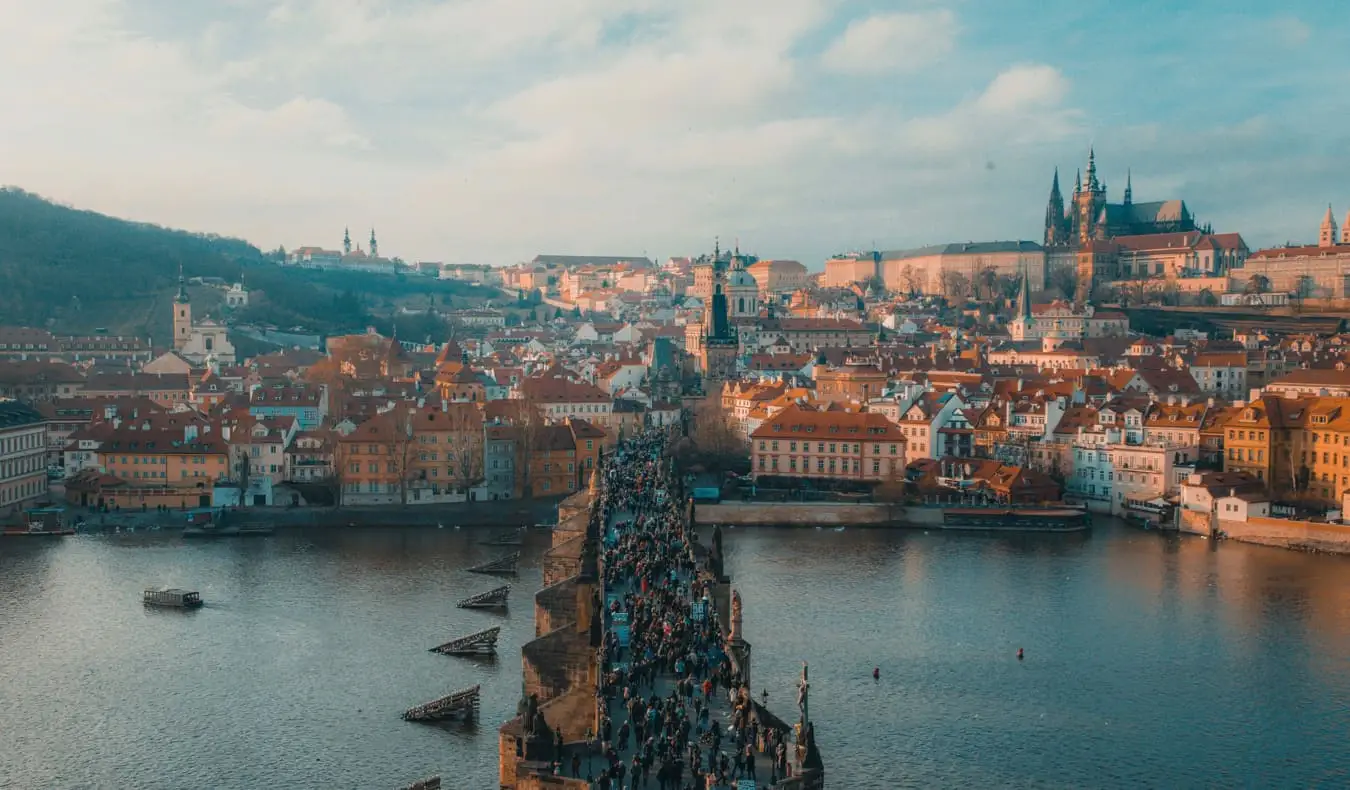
column 374, row 245
column 1077, row 182
column 1327, row 236
column 182, row 297
column 1054, row 213
column 346, row 241
column 1024, row 298
column 1129, row 187
column 1090, row 178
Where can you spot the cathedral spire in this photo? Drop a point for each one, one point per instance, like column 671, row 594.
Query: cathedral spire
column 346, row 241
column 1077, row 182
column 1090, row 182
column 374, row 245
column 1054, row 213
column 1129, row 187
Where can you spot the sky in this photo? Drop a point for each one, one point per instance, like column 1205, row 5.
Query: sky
column 489, row 131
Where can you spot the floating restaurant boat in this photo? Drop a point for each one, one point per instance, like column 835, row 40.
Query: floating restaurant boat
column 173, row 597
column 492, row 599
column 43, row 522
column 1053, row 519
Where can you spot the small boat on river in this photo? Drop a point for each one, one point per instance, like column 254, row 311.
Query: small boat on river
column 173, row 597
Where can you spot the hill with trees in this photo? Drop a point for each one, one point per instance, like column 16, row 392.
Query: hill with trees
column 75, row 271
column 82, row 270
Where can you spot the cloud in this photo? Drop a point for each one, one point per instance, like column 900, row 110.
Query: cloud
column 491, row 130
column 1291, row 31
column 1024, row 87
column 892, row 43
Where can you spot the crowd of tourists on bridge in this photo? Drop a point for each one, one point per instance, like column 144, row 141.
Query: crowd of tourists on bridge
column 675, row 715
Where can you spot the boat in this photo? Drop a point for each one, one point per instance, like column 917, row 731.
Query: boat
column 244, row 530
column 43, row 522
column 173, row 597
column 1049, row 519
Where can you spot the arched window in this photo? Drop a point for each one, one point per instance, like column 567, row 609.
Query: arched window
column 741, row 305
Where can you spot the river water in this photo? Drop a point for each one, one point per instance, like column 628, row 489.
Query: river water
column 1151, row 660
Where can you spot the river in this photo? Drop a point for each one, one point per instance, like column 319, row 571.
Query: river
column 1151, row 660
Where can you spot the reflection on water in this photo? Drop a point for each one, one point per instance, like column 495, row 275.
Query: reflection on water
column 1150, row 660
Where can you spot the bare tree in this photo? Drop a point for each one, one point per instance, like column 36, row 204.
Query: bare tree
column 1064, row 279
column 955, row 286
column 892, row 491
column 986, row 280
column 465, row 454
column 718, row 445
column 912, row 281
column 1257, row 284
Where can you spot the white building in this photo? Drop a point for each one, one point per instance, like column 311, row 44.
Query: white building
column 23, row 455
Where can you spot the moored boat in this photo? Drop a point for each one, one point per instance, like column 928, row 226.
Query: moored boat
column 42, row 522
column 1044, row 519
column 173, row 597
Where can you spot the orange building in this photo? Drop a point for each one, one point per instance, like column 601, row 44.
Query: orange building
column 830, row 445
column 148, row 468
column 851, row 382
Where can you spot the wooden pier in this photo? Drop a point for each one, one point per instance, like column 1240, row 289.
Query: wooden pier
column 461, row 705
column 430, row 783
column 492, row 599
column 513, row 538
column 502, row 565
column 483, row 643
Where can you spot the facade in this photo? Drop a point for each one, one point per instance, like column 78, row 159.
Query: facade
column 850, row 383
column 828, row 445
column 307, row 405
column 1319, row 270
column 934, row 270
column 201, row 343
column 777, row 278
column 23, row 457
column 1066, row 321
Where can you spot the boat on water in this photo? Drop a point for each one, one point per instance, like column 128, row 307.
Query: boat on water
column 173, row 597
column 43, row 522
column 241, row 531
column 1044, row 519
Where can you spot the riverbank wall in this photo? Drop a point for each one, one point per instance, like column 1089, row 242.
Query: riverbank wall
column 816, row 514
column 497, row 513
column 1279, row 532
column 1300, row 535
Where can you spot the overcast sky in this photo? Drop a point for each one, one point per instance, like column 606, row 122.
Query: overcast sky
column 491, row 130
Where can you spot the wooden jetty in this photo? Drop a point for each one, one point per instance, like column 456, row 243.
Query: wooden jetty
column 492, row 599
column 483, row 643
column 459, row 705
column 430, row 783
column 504, row 565
column 513, row 538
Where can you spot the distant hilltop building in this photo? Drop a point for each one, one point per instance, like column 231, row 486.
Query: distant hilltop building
column 933, row 270
column 349, row 258
column 1318, row 271
column 1102, row 242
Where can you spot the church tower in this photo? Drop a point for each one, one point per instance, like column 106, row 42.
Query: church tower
column 182, row 314
column 1327, row 237
column 374, row 245
column 1345, row 229
column 1090, row 200
column 720, row 345
column 1055, row 234
column 1129, row 187
column 346, row 241
column 742, row 289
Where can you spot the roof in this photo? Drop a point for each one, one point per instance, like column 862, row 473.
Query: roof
column 967, row 248
column 795, row 419
column 14, row 414
column 591, row 260
column 1306, row 250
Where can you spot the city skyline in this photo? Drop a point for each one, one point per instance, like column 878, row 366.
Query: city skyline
column 803, row 127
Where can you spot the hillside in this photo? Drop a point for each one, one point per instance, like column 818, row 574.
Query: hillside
column 77, row 271
column 83, row 270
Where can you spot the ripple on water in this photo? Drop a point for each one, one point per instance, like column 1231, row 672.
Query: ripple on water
column 1151, row 661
